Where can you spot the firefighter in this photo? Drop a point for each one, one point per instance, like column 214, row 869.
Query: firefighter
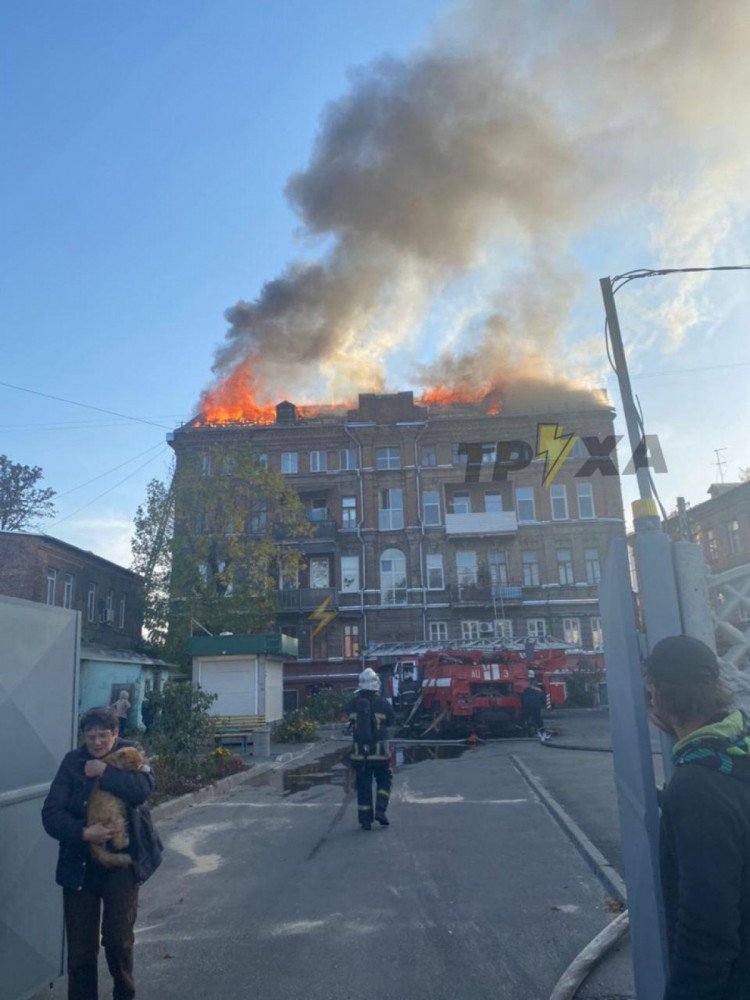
column 408, row 691
column 533, row 700
column 369, row 717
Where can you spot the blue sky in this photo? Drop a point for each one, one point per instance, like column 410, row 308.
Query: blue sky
column 146, row 150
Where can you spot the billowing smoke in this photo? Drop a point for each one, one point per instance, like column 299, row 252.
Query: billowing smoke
column 478, row 167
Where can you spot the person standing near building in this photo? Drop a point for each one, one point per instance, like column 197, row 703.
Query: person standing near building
column 705, row 823
column 122, row 710
column 370, row 715
column 91, row 892
column 533, row 700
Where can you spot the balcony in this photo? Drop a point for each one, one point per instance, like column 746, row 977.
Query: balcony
column 306, row 598
column 502, row 522
column 482, row 593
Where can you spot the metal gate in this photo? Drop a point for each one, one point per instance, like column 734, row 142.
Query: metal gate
column 38, row 709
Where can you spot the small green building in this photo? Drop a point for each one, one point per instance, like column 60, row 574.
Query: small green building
column 245, row 672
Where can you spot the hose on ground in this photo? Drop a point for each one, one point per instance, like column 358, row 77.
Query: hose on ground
column 571, row 980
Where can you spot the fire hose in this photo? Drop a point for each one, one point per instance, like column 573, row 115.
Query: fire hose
column 571, row 980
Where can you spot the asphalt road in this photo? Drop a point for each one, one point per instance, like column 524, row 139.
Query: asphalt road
column 274, row 891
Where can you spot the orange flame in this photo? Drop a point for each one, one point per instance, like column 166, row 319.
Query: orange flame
column 234, row 401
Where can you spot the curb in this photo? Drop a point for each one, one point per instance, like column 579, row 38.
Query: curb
column 166, row 810
column 606, row 872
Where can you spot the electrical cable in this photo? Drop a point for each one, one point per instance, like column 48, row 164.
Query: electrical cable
column 67, row 517
column 86, row 406
column 88, row 482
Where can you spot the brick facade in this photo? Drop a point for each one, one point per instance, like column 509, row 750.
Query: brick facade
column 406, row 547
column 721, row 526
column 46, row 570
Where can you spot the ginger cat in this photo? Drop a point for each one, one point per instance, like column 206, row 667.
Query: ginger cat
column 110, row 811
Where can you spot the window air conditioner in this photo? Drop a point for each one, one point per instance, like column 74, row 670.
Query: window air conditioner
column 486, row 628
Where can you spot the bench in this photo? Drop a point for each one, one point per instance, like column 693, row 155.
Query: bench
column 236, row 728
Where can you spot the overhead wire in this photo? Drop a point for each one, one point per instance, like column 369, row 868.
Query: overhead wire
column 102, row 475
column 85, row 406
column 67, row 517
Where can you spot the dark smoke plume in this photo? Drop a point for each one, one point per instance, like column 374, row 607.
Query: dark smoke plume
column 516, row 131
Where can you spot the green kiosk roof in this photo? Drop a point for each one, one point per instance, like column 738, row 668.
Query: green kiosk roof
column 271, row 643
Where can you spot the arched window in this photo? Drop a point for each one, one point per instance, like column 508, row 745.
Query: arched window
column 392, row 577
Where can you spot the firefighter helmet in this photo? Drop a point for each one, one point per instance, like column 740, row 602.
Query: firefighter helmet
column 369, row 680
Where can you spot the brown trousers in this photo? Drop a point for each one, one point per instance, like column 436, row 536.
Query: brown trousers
column 114, row 891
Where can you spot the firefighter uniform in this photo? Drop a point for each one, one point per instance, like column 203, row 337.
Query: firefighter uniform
column 370, row 756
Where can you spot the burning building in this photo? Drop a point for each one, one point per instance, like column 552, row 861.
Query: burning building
column 427, row 524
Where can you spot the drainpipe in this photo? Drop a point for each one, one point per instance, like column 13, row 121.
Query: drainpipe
column 363, row 582
column 418, row 484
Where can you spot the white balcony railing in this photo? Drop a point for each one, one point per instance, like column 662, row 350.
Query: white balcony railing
column 501, row 522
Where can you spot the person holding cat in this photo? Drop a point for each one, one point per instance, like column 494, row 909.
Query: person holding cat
column 94, row 891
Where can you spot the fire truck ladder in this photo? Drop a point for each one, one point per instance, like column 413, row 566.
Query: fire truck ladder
column 389, row 650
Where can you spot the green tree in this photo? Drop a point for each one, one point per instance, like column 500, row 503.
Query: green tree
column 152, row 556
column 21, row 503
column 236, row 525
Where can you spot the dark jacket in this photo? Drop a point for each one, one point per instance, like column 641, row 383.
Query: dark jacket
column 705, row 864
column 382, row 718
column 64, row 816
column 533, row 699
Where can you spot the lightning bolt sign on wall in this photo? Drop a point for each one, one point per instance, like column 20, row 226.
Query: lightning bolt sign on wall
column 554, row 446
column 322, row 616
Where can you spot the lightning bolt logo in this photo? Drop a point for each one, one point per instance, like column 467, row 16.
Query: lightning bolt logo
column 554, row 446
column 322, row 616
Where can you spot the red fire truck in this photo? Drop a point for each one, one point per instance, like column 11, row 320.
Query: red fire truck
column 466, row 688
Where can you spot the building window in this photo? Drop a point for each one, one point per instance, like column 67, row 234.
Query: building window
column 525, row 503
column 489, row 452
column 493, row 503
column 579, row 449
column 466, row 568
column 435, row 576
column 51, row 585
column 713, row 548
column 121, row 619
column 348, row 459
column 68, row 590
column 387, row 458
column 391, row 513
column 429, row 455
column 351, row 640
column 430, row 507
column 349, row 574
column 91, row 603
column 572, row 631
column 320, row 573
column 318, row 461
column 469, row 630
column 288, row 462
column 593, row 570
column 585, row 494
column 290, row 579
column 461, row 503
column 348, row 512
column 438, row 631
column 392, row 577
column 597, row 637
column 536, row 628
column 258, row 519
column 503, row 628
column 498, row 564
column 228, row 465
column 262, row 460
column 735, row 538
column 206, row 464
column 564, row 566
column 558, row 495
column 318, row 510
column 530, row 563
column 458, row 458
